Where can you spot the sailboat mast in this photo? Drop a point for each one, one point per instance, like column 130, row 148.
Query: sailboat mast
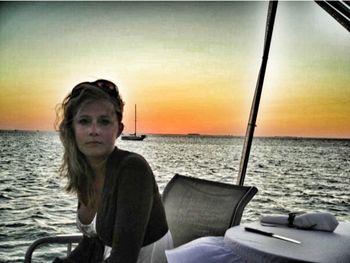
column 256, row 101
column 135, row 119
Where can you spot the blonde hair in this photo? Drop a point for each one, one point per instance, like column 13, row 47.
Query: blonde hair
column 74, row 167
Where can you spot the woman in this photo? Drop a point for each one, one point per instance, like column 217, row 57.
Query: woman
column 119, row 210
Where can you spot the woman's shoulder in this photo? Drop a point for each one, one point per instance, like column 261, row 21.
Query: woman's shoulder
column 124, row 157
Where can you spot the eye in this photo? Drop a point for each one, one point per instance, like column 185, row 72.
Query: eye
column 105, row 122
column 83, row 121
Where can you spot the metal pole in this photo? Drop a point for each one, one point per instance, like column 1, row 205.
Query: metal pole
column 135, row 119
column 339, row 10
column 256, row 101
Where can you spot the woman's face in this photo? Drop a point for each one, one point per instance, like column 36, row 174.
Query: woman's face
column 96, row 127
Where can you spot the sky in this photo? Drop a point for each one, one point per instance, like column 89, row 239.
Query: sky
column 191, row 67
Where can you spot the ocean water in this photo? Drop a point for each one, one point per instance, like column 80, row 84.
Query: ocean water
column 291, row 175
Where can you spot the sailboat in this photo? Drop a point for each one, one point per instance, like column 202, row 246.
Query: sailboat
column 134, row 136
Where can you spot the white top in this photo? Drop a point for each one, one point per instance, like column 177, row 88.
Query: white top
column 90, row 231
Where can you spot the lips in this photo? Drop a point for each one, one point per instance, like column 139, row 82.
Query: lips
column 93, row 143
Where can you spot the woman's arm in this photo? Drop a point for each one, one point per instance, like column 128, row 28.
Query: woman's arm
column 134, row 204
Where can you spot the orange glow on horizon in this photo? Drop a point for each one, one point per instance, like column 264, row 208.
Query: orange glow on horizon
column 191, row 67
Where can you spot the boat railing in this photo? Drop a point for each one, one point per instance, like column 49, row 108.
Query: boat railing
column 68, row 239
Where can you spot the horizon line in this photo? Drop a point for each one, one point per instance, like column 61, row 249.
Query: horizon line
column 193, row 135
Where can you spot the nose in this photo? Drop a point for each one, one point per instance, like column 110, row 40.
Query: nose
column 94, row 130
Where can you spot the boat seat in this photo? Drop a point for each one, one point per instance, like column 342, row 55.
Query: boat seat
column 196, row 207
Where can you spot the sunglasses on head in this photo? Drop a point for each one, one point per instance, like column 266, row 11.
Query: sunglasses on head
column 107, row 86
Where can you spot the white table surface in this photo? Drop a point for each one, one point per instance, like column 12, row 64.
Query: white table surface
column 316, row 246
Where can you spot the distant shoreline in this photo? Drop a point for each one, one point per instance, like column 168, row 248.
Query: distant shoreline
column 197, row 135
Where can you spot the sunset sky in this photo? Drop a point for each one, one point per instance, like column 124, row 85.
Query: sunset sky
column 191, row 67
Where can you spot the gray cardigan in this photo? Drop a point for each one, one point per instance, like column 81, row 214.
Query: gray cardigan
column 131, row 214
